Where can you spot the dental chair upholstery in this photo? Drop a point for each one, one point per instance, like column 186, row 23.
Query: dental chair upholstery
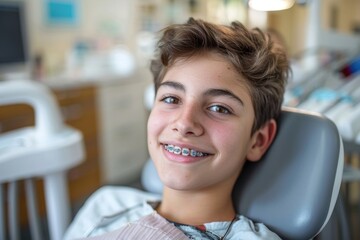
column 294, row 187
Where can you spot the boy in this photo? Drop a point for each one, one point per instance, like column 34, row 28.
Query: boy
column 219, row 90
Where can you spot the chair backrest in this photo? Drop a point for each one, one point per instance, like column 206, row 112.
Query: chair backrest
column 294, row 187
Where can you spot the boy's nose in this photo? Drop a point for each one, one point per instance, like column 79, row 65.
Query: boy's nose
column 188, row 122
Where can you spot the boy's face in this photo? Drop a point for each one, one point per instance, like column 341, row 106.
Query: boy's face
column 199, row 130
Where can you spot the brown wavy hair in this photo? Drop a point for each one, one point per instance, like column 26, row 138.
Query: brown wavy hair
column 264, row 67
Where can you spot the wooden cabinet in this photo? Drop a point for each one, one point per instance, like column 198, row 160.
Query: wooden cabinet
column 123, row 130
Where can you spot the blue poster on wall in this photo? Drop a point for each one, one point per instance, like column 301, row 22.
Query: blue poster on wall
column 61, row 12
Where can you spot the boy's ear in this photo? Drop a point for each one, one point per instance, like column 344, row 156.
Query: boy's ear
column 261, row 140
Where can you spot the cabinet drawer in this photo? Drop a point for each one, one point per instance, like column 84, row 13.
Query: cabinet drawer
column 128, row 138
column 122, row 108
column 125, row 166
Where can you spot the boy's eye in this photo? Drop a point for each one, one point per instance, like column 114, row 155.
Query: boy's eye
column 170, row 100
column 219, row 109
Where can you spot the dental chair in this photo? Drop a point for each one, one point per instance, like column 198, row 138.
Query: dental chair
column 294, row 188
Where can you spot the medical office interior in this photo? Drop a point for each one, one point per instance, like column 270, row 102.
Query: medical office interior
column 88, row 65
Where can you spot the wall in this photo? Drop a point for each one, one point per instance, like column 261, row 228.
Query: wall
column 291, row 24
column 110, row 22
column 104, row 22
column 340, row 16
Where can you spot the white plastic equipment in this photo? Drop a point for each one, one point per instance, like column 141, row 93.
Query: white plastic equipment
column 46, row 150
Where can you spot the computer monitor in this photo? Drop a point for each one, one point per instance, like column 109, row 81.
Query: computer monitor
column 13, row 39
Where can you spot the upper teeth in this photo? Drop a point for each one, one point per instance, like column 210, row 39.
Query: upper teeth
column 184, row 151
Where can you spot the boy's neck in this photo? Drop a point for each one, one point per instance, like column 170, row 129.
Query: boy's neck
column 196, row 208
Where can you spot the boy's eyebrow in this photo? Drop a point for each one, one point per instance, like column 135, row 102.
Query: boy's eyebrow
column 210, row 92
column 175, row 85
column 223, row 92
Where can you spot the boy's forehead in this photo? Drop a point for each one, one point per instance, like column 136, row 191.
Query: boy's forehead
column 233, row 83
column 224, row 63
column 218, row 63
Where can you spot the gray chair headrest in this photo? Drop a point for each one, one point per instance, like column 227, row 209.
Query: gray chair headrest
column 294, row 187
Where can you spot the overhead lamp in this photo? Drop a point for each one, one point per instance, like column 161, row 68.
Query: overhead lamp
column 271, row 5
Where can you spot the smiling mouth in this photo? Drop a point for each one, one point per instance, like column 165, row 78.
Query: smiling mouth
column 184, row 151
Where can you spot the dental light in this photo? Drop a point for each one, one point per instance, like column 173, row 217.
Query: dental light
column 270, row 5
